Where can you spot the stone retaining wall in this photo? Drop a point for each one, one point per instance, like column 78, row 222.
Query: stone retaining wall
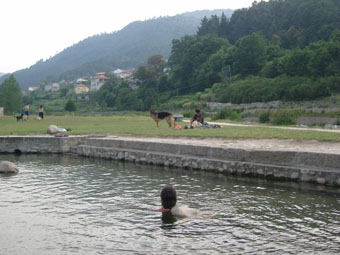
column 319, row 168
column 40, row 144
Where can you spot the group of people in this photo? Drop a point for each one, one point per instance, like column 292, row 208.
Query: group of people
column 27, row 111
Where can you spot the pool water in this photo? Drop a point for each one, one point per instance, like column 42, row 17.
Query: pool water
column 74, row 205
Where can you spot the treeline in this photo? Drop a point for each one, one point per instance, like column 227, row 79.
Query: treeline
column 276, row 50
column 127, row 48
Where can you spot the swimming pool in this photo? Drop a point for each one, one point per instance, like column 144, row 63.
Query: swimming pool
column 74, row 205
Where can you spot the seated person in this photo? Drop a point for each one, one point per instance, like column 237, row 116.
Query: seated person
column 197, row 119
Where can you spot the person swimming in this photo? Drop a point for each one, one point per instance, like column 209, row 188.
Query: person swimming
column 169, row 204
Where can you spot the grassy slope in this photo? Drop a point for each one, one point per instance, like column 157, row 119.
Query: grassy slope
column 140, row 125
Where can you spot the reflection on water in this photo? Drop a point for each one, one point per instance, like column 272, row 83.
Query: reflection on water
column 70, row 205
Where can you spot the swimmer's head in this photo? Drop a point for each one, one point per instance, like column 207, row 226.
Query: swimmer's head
column 168, row 197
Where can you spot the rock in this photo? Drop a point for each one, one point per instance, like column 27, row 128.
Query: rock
column 7, row 167
column 52, row 129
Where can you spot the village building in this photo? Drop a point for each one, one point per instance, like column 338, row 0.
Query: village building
column 81, row 80
column 81, row 88
column 32, row 88
column 53, row 87
column 124, row 74
column 98, row 81
column 83, row 97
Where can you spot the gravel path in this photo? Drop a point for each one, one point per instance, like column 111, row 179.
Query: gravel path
column 248, row 144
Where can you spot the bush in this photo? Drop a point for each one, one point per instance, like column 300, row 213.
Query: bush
column 226, row 113
column 284, row 117
column 188, row 114
column 264, row 117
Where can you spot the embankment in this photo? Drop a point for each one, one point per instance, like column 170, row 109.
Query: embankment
column 233, row 157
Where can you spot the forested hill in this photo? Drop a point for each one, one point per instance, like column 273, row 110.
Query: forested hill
column 129, row 47
column 1, row 74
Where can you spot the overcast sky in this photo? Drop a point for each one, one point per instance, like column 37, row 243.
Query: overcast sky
column 38, row 29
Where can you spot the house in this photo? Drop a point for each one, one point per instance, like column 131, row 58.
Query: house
column 53, row 87
column 32, row 88
column 81, row 88
column 83, row 97
column 81, row 80
column 98, row 81
column 124, row 74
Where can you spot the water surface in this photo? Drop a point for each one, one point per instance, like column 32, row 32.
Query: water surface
column 74, row 205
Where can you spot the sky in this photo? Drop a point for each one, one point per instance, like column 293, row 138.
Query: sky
column 39, row 29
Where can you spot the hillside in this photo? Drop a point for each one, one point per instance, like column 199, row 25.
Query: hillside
column 127, row 48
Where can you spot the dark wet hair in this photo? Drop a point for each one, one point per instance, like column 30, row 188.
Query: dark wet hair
column 168, row 197
column 197, row 110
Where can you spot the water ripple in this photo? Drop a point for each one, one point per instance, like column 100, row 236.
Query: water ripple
column 70, row 205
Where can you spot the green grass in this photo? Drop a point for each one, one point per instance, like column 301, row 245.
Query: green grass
column 142, row 125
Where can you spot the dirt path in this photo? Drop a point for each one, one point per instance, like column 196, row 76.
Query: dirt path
column 248, row 144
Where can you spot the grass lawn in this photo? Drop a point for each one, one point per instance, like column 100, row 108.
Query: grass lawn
column 142, row 125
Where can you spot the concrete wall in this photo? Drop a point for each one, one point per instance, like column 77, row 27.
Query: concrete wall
column 319, row 168
column 39, row 144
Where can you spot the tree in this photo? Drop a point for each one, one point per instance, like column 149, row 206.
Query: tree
column 250, row 54
column 10, row 95
column 188, row 56
column 70, row 106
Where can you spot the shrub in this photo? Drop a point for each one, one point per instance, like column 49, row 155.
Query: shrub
column 188, row 114
column 284, row 117
column 227, row 113
column 264, row 117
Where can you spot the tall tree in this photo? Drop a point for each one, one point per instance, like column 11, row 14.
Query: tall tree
column 10, row 95
column 250, row 54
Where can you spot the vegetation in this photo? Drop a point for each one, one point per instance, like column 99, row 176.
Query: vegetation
column 70, row 106
column 144, row 125
column 286, row 50
column 127, row 48
column 292, row 61
column 10, row 96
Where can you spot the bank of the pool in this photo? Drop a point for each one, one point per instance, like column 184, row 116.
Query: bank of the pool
column 300, row 166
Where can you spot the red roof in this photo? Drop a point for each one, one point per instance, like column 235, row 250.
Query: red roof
column 101, row 77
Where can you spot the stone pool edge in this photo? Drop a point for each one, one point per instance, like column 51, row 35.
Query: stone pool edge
column 319, row 168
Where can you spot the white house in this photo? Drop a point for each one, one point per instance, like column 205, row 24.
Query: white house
column 32, row 88
column 124, row 74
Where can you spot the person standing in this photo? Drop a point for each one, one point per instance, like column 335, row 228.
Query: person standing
column 41, row 112
column 27, row 110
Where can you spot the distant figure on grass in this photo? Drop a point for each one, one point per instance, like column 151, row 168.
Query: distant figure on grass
column 158, row 116
column 169, row 204
column 197, row 119
column 41, row 112
column 27, row 110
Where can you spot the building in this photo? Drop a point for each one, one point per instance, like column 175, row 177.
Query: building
column 81, row 88
column 98, row 81
column 124, row 74
column 53, row 87
column 32, row 88
column 83, row 97
column 81, row 80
